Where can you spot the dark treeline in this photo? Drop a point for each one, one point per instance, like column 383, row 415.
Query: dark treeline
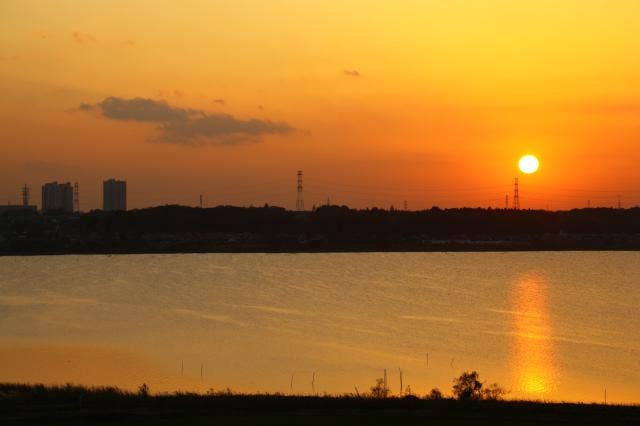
column 329, row 228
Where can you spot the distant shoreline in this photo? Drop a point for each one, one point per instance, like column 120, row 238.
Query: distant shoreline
column 328, row 251
column 329, row 229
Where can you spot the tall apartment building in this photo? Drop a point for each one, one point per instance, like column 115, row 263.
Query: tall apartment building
column 57, row 197
column 114, row 195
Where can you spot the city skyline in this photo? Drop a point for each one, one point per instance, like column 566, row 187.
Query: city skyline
column 118, row 200
column 304, row 91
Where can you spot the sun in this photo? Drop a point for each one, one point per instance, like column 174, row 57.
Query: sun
column 528, row 164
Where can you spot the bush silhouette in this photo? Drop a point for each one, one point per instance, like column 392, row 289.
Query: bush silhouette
column 467, row 386
column 435, row 394
column 494, row 392
column 143, row 390
column 379, row 390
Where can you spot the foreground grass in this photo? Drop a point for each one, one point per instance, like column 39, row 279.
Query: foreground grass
column 76, row 405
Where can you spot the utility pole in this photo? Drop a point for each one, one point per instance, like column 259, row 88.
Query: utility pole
column 506, row 202
column 200, row 200
column 300, row 197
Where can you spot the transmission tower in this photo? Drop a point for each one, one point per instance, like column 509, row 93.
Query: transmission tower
column 506, row 202
column 300, row 198
column 25, row 191
column 76, row 197
column 516, row 196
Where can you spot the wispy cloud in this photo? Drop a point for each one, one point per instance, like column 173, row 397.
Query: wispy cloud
column 219, row 102
column 187, row 126
column 352, row 73
column 83, row 38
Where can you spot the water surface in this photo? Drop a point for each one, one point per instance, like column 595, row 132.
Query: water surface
column 561, row 326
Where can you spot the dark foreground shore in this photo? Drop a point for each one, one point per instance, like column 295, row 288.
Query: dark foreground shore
column 72, row 405
column 227, row 229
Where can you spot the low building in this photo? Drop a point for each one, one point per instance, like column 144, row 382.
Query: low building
column 57, row 197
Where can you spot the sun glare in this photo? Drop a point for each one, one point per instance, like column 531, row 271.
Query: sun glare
column 528, row 164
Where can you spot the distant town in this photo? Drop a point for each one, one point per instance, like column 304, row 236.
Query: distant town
column 65, row 198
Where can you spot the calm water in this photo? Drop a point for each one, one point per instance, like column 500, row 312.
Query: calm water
column 562, row 326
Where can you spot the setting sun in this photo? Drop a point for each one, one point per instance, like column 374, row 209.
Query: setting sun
column 528, row 164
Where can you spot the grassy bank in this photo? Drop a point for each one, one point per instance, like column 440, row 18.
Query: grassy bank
column 51, row 405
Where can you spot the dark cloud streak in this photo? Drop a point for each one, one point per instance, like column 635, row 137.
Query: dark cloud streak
column 83, row 38
column 185, row 126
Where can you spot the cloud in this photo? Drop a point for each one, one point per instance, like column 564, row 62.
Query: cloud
column 219, row 102
column 352, row 73
column 186, row 126
column 83, row 38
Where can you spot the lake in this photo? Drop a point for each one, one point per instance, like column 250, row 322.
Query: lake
column 544, row 325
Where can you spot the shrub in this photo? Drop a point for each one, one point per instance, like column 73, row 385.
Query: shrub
column 469, row 387
column 435, row 394
column 379, row 390
column 493, row 392
column 143, row 390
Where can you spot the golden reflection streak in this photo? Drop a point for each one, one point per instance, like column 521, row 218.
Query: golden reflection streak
column 533, row 361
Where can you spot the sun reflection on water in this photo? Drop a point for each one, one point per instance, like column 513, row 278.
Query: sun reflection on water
column 533, row 363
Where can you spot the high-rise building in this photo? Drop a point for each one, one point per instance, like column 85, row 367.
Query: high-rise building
column 114, row 195
column 57, row 197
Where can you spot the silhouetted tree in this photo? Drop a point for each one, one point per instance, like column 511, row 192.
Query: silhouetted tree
column 467, row 386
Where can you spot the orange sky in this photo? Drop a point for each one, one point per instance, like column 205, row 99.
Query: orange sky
column 431, row 102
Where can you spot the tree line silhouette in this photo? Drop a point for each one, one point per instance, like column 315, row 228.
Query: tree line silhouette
column 223, row 228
